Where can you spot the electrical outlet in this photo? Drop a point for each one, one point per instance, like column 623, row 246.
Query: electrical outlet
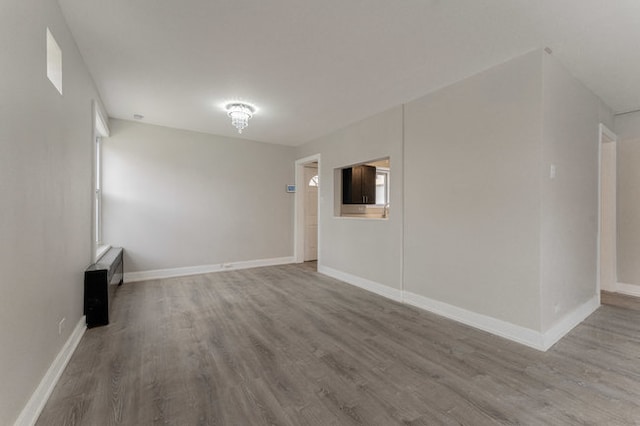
column 61, row 326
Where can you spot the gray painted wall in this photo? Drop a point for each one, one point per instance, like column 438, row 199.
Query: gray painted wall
column 482, row 226
column 627, row 128
column 569, row 216
column 45, row 181
column 370, row 249
column 175, row 198
column 472, row 193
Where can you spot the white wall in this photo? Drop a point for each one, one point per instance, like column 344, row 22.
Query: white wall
column 369, row 249
column 569, row 220
column 472, row 196
column 627, row 128
column 175, row 198
column 484, row 236
column 569, row 217
column 45, row 181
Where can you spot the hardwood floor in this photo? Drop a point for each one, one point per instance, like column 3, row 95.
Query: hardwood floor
column 287, row 346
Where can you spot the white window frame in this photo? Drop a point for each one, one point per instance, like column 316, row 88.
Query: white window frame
column 100, row 131
column 97, row 186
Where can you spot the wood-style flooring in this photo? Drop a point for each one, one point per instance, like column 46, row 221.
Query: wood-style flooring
column 287, row 346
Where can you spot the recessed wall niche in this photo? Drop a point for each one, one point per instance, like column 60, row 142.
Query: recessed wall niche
column 54, row 62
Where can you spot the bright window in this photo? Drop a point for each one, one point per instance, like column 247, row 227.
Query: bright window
column 98, row 192
column 313, row 181
column 382, row 187
column 101, row 130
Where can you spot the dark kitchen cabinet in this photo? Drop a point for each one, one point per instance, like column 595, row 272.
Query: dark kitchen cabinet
column 359, row 185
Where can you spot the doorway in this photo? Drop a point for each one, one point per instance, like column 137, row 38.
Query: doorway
column 607, row 240
column 308, row 182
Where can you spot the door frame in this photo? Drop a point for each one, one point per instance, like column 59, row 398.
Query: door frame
column 604, row 134
column 299, row 205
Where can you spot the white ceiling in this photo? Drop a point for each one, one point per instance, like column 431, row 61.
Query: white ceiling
column 313, row 66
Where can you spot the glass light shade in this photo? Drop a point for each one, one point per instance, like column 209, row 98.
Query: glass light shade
column 240, row 114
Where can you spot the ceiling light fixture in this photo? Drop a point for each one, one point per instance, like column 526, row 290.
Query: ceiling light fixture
column 240, row 113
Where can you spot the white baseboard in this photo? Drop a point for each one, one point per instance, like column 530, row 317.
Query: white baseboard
column 525, row 336
column 628, row 289
column 36, row 403
column 569, row 321
column 372, row 286
column 204, row 269
column 516, row 333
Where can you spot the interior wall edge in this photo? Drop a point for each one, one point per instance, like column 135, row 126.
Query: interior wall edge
column 569, row 321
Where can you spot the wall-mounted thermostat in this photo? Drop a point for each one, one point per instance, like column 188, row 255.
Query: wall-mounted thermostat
column 291, row 188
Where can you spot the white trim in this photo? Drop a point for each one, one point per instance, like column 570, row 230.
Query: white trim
column 372, row 286
column 599, row 232
column 32, row 410
column 298, row 228
column 628, row 289
column 510, row 331
column 203, row 269
column 516, row 333
column 602, row 131
column 403, row 203
column 569, row 321
column 100, row 126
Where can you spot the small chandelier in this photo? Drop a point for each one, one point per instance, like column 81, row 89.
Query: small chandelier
column 240, row 113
